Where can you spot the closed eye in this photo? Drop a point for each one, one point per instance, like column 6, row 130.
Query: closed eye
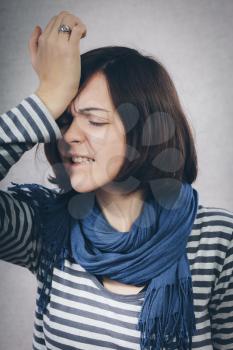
column 97, row 124
column 66, row 119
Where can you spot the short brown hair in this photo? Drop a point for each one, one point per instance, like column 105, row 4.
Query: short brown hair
column 159, row 140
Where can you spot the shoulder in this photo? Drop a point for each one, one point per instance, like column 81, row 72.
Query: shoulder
column 210, row 213
column 211, row 234
column 213, row 222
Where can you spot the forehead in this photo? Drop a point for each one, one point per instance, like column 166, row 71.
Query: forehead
column 95, row 94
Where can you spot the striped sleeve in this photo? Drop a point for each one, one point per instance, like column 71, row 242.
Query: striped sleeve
column 221, row 303
column 20, row 129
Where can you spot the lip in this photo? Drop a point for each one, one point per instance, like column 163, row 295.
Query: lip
column 70, row 165
column 70, row 155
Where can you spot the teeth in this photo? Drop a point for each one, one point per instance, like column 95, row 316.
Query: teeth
column 81, row 160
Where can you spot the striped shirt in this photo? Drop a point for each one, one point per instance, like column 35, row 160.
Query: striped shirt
column 82, row 313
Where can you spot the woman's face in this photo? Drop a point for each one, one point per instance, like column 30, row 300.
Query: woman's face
column 96, row 131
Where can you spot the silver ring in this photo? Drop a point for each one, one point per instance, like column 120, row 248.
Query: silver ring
column 64, row 28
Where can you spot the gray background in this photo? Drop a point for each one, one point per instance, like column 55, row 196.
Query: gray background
column 193, row 39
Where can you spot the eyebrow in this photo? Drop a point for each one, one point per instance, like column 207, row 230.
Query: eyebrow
column 83, row 110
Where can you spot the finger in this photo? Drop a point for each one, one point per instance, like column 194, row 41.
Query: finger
column 58, row 22
column 33, row 42
column 82, row 26
column 67, row 19
column 49, row 26
column 84, row 34
column 78, row 32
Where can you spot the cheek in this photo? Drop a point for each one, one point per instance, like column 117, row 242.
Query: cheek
column 113, row 166
column 111, row 158
column 109, row 145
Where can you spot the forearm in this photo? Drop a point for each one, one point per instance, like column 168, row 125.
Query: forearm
column 21, row 128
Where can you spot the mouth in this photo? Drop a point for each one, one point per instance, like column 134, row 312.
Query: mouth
column 80, row 162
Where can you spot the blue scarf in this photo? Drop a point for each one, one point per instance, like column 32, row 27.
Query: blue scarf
column 153, row 252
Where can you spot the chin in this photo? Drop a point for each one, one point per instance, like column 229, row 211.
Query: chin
column 82, row 189
column 85, row 186
column 82, row 186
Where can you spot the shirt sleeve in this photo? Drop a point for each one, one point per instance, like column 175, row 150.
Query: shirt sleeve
column 23, row 127
column 221, row 303
column 20, row 129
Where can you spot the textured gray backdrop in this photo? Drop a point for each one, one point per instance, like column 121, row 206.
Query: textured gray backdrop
column 193, row 39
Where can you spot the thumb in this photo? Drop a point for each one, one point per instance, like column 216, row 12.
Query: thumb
column 33, row 42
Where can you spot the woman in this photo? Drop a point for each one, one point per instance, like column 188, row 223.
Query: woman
column 124, row 254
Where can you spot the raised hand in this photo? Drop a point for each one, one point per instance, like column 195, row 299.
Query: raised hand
column 55, row 56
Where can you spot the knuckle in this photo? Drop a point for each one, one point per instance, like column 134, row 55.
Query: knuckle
column 66, row 17
column 63, row 13
column 83, row 27
column 79, row 29
column 78, row 19
column 85, row 31
column 80, row 23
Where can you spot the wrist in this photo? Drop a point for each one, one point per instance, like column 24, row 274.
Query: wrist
column 55, row 102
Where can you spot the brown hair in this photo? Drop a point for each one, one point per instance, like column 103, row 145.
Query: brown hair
column 160, row 143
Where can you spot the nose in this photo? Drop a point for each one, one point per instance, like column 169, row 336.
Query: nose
column 74, row 133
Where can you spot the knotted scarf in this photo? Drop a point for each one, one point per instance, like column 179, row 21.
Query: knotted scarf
column 152, row 252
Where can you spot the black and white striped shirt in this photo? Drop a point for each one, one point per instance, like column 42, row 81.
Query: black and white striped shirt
column 82, row 313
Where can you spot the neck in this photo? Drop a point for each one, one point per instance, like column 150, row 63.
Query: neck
column 119, row 209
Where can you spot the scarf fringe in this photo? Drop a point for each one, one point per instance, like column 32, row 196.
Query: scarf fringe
column 45, row 274
column 54, row 248
column 172, row 320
